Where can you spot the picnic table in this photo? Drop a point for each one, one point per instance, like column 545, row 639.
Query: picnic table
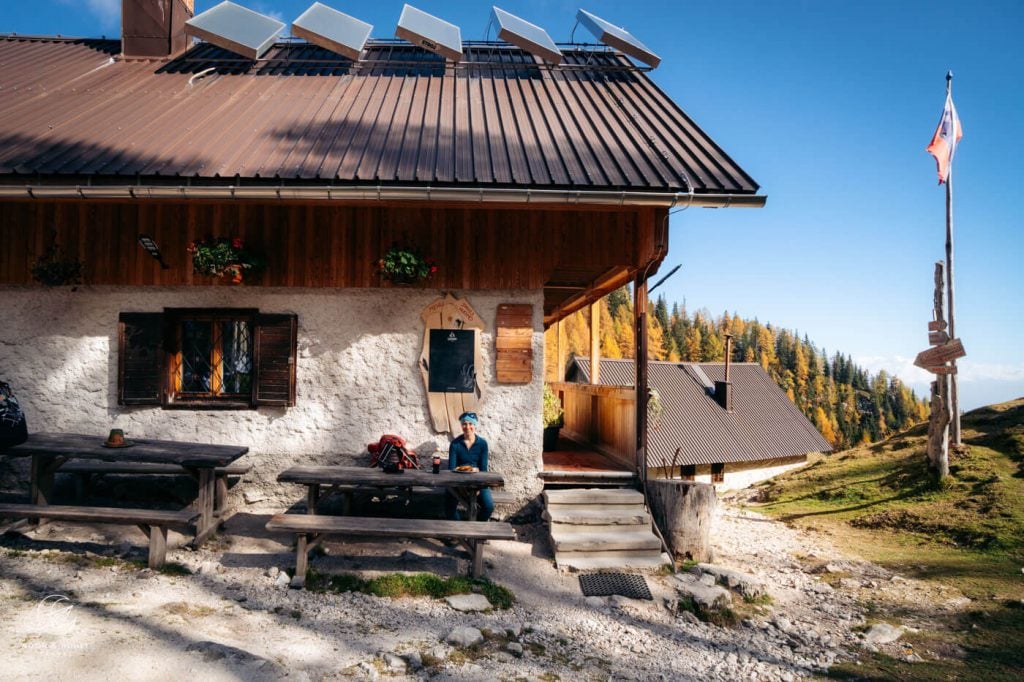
column 50, row 451
column 310, row 529
column 346, row 479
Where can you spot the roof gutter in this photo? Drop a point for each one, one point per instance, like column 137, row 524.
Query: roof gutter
column 383, row 193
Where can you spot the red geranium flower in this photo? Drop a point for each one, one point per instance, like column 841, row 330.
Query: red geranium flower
column 236, row 243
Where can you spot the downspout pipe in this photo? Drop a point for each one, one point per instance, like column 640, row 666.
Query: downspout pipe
column 383, row 193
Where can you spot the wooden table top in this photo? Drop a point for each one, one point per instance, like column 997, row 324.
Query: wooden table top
column 374, row 477
column 90, row 446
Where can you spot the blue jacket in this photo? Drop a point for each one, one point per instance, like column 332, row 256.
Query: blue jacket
column 460, row 455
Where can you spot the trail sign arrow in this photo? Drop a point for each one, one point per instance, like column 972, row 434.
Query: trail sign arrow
column 938, row 356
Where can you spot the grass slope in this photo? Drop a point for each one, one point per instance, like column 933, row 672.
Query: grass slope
column 879, row 502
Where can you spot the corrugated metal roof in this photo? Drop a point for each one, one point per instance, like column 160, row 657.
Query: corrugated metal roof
column 302, row 114
column 764, row 424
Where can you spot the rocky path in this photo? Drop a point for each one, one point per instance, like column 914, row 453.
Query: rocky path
column 235, row 618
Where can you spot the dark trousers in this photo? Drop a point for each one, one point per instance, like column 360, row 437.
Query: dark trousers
column 484, row 505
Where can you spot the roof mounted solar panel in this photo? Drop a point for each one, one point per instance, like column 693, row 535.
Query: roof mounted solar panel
column 525, row 35
column 236, row 28
column 619, row 38
column 332, row 30
column 430, row 33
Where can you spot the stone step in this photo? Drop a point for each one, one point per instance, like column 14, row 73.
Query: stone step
column 595, row 515
column 620, row 539
column 623, row 560
column 593, row 496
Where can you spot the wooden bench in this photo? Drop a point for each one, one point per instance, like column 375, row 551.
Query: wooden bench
column 84, row 469
column 152, row 522
column 310, row 530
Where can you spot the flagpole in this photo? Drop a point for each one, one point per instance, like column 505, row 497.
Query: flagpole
column 954, row 401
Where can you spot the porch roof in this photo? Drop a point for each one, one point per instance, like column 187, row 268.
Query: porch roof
column 76, row 112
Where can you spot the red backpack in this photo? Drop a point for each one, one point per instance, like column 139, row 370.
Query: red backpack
column 390, row 454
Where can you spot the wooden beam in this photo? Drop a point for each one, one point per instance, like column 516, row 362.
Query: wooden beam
column 560, row 349
column 600, row 287
column 595, row 342
column 640, row 334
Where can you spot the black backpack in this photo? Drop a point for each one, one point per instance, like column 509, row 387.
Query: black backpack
column 13, row 429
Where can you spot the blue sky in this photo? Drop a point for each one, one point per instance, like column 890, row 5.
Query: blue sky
column 829, row 106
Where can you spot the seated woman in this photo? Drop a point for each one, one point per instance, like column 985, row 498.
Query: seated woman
column 468, row 449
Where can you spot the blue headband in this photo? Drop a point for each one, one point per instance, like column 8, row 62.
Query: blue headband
column 469, row 417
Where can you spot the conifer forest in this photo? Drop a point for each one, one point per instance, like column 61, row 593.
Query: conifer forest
column 848, row 405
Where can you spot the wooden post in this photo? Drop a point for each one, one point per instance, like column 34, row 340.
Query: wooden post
column 954, row 401
column 938, row 422
column 640, row 337
column 559, row 346
column 595, row 342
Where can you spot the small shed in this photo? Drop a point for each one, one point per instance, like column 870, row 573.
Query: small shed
column 731, row 432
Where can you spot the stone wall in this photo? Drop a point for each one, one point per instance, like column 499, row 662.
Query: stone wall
column 357, row 376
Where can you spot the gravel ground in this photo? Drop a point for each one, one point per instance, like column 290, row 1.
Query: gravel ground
column 73, row 611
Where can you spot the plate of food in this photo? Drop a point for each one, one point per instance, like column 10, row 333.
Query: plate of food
column 465, row 469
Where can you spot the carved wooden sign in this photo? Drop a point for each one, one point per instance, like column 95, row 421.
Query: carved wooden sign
column 450, row 313
column 935, row 358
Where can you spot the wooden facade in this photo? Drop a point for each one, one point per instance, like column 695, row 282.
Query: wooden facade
column 603, row 417
column 570, row 250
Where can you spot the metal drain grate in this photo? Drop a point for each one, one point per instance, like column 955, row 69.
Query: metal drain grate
column 604, row 584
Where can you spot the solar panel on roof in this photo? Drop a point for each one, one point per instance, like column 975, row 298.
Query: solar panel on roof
column 529, row 37
column 430, row 33
column 616, row 37
column 235, row 28
column 332, row 30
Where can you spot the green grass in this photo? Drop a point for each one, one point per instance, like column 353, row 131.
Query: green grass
column 396, row 585
column 880, row 502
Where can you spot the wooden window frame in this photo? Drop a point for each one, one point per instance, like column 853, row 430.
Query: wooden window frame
column 173, row 397
column 149, row 359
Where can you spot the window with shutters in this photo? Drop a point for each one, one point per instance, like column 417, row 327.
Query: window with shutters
column 207, row 359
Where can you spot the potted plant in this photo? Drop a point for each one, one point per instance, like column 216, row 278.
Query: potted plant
column 226, row 258
column 403, row 265
column 53, row 270
column 554, row 419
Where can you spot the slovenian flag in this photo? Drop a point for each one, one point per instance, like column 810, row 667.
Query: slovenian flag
column 946, row 137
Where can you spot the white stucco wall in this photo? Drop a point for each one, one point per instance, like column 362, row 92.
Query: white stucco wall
column 357, row 375
column 740, row 475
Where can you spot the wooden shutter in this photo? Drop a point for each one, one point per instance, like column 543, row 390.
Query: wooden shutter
column 140, row 358
column 276, row 338
column 514, row 342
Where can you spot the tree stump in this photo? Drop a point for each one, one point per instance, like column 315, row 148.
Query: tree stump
column 683, row 511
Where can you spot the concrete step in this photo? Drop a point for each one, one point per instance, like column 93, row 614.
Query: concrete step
column 624, row 561
column 595, row 515
column 593, row 496
column 620, row 539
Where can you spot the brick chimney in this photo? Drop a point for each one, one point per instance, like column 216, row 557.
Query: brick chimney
column 154, row 28
column 723, row 389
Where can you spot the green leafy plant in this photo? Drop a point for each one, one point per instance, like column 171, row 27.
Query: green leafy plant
column 554, row 415
column 54, row 270
column 225, row 257
column 405, row 265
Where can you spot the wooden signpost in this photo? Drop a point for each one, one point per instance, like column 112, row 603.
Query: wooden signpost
column 940, row 360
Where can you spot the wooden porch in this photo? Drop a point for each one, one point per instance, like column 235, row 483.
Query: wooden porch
column 597, row 443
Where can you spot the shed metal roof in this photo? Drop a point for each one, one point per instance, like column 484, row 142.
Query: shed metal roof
column 764, row 424
column 304, row 115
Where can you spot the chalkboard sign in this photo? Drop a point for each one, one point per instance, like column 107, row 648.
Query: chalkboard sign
column 452, row 368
